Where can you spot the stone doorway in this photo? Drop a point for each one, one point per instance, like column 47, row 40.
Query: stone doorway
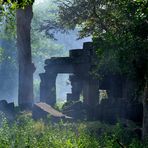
column 63, row 87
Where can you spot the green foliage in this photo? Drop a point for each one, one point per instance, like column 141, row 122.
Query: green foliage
column 26, row 132
column 44, row 46
column 15, row 4
column 7, row 20
column 119, row 29
column 1, row 54
column 7, row 14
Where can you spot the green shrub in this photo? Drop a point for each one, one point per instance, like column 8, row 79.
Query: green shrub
column 27, row 133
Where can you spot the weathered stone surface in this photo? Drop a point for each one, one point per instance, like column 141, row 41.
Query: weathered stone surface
column 76, row 110
column 3, row 104
column 111, row 111
column 75, row 53
column 76, row 89
column 7, row 109
column 41, row 110
column 82, row 63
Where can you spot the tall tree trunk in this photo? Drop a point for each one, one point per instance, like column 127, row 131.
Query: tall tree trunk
column 145, row 112
column 26, row 68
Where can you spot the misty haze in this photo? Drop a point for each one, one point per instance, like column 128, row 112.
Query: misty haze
column 73, row 74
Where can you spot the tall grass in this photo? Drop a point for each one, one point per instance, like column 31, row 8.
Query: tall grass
column 27, row 133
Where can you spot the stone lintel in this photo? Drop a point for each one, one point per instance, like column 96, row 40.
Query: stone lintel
column 75, row 53
column 87, row 45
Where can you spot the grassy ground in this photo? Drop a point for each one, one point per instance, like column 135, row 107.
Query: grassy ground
column 27, row 133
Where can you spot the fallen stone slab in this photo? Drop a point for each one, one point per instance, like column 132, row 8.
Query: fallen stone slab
column 41, row 110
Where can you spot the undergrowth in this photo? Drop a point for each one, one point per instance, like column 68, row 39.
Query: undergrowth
column 27, row 133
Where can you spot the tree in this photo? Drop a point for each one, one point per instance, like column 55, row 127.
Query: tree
column 26, row 67
column 43, row 46
column 24, row 16
column 120, row 30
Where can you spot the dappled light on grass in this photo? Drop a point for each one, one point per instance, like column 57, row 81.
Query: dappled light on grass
column 26, row 132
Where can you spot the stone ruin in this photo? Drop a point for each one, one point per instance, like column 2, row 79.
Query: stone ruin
column 7, row 110
column 82, row 63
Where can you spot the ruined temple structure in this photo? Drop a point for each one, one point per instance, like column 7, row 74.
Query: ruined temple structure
column 79, row 65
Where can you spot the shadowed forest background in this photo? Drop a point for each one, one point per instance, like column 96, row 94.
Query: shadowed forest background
column 40, row 46
column 74, row 73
